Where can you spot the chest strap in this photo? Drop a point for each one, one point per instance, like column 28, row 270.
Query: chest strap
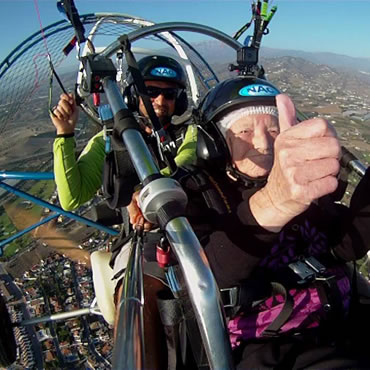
column 309, row 272
column 241, row 298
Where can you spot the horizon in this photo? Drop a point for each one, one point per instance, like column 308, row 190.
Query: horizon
column 325, row 28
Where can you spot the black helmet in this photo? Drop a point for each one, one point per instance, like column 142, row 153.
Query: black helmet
column 225, row 97
column 234, row 93
column 158, row 68
column 161, row 68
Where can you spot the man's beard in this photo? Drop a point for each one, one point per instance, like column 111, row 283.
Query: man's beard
column 164, row 120
column 162, row 113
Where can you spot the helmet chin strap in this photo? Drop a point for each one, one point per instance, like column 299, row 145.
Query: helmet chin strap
column 247, row 181
column 165, row 121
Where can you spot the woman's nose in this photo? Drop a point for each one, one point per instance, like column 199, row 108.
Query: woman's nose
column 261, row 139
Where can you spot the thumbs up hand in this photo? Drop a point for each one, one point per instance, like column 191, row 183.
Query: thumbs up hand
column 306, row 162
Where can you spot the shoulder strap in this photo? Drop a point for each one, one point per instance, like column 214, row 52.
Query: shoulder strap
column 274, row 328
column 199, row 180
column 119, row 175
column 119, row 179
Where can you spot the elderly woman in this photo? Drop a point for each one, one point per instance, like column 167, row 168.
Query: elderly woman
column 276, row 240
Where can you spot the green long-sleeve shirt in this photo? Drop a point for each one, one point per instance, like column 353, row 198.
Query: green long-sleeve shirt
column 78, row 180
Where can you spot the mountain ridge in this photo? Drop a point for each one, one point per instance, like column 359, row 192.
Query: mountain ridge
column 345, row 62
column 328, row 58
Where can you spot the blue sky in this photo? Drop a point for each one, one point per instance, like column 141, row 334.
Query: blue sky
column 335, row 26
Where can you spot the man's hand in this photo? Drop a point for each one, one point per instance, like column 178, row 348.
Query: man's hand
column 136, row 217
column 65, row 115
column 306, row 162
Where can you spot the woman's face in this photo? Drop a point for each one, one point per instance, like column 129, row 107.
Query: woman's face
column 251, row 143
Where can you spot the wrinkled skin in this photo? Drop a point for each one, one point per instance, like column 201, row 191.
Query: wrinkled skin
column 251, row 144
column 302, row 161
column 306, row 163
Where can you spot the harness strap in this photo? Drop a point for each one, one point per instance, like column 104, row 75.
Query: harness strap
column 126, row 221
column 246, row 295
column 252, row 293
column 171, row 314
column 139, row 84
column 330, row 298
column 193, row 178
column 138, row 80
column 118, row 174
column 273, row 329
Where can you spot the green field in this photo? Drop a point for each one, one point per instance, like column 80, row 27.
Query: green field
column 41, row 189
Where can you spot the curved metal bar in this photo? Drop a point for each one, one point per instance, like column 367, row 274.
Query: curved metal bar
column 9, row 63
column 25, row 45
column 129, row 342
column 57, row 316
column 12, row 57
column 139, row 152
column 203, row 292
column 26, row 175
column 57, row 209
column 134, row 18
column 200, row 283
column 62, row 24
column 358, row 167
column 167, row 30
column 26, row 230
column 195, row 51
column 172, row 27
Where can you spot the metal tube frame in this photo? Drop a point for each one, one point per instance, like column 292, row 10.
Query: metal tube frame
column 201, row 285
column 358, row 167
column 200, row 282
column 58, row 210
column 58, row 316
column 92, row 310
column 129, row 342
column 172, row 27
column 26, row 230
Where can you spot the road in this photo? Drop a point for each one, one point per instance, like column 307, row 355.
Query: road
column 86, row 330
column 53, row 329
column 30, row 330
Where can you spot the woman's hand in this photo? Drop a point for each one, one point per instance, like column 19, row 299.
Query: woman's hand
column 306, row 164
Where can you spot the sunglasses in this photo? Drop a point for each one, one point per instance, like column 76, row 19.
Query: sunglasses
column 170, row 93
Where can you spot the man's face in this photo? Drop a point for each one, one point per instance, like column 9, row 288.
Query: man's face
column 163, row 106
column 251, row 144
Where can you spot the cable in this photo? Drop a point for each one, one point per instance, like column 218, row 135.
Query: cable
column 52, row 69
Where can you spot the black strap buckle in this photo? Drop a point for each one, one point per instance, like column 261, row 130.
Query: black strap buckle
column 271, row 333
column 308, row 269
column 230, row 297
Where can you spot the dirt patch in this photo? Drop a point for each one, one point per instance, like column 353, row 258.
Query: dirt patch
column 329, row 109
column 24, row 261
column 55, row 239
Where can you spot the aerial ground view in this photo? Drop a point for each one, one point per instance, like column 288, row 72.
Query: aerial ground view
column 45, row 267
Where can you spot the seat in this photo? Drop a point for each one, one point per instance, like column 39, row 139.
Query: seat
column 103, row 284
column 102, row 273
column 363, row 286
